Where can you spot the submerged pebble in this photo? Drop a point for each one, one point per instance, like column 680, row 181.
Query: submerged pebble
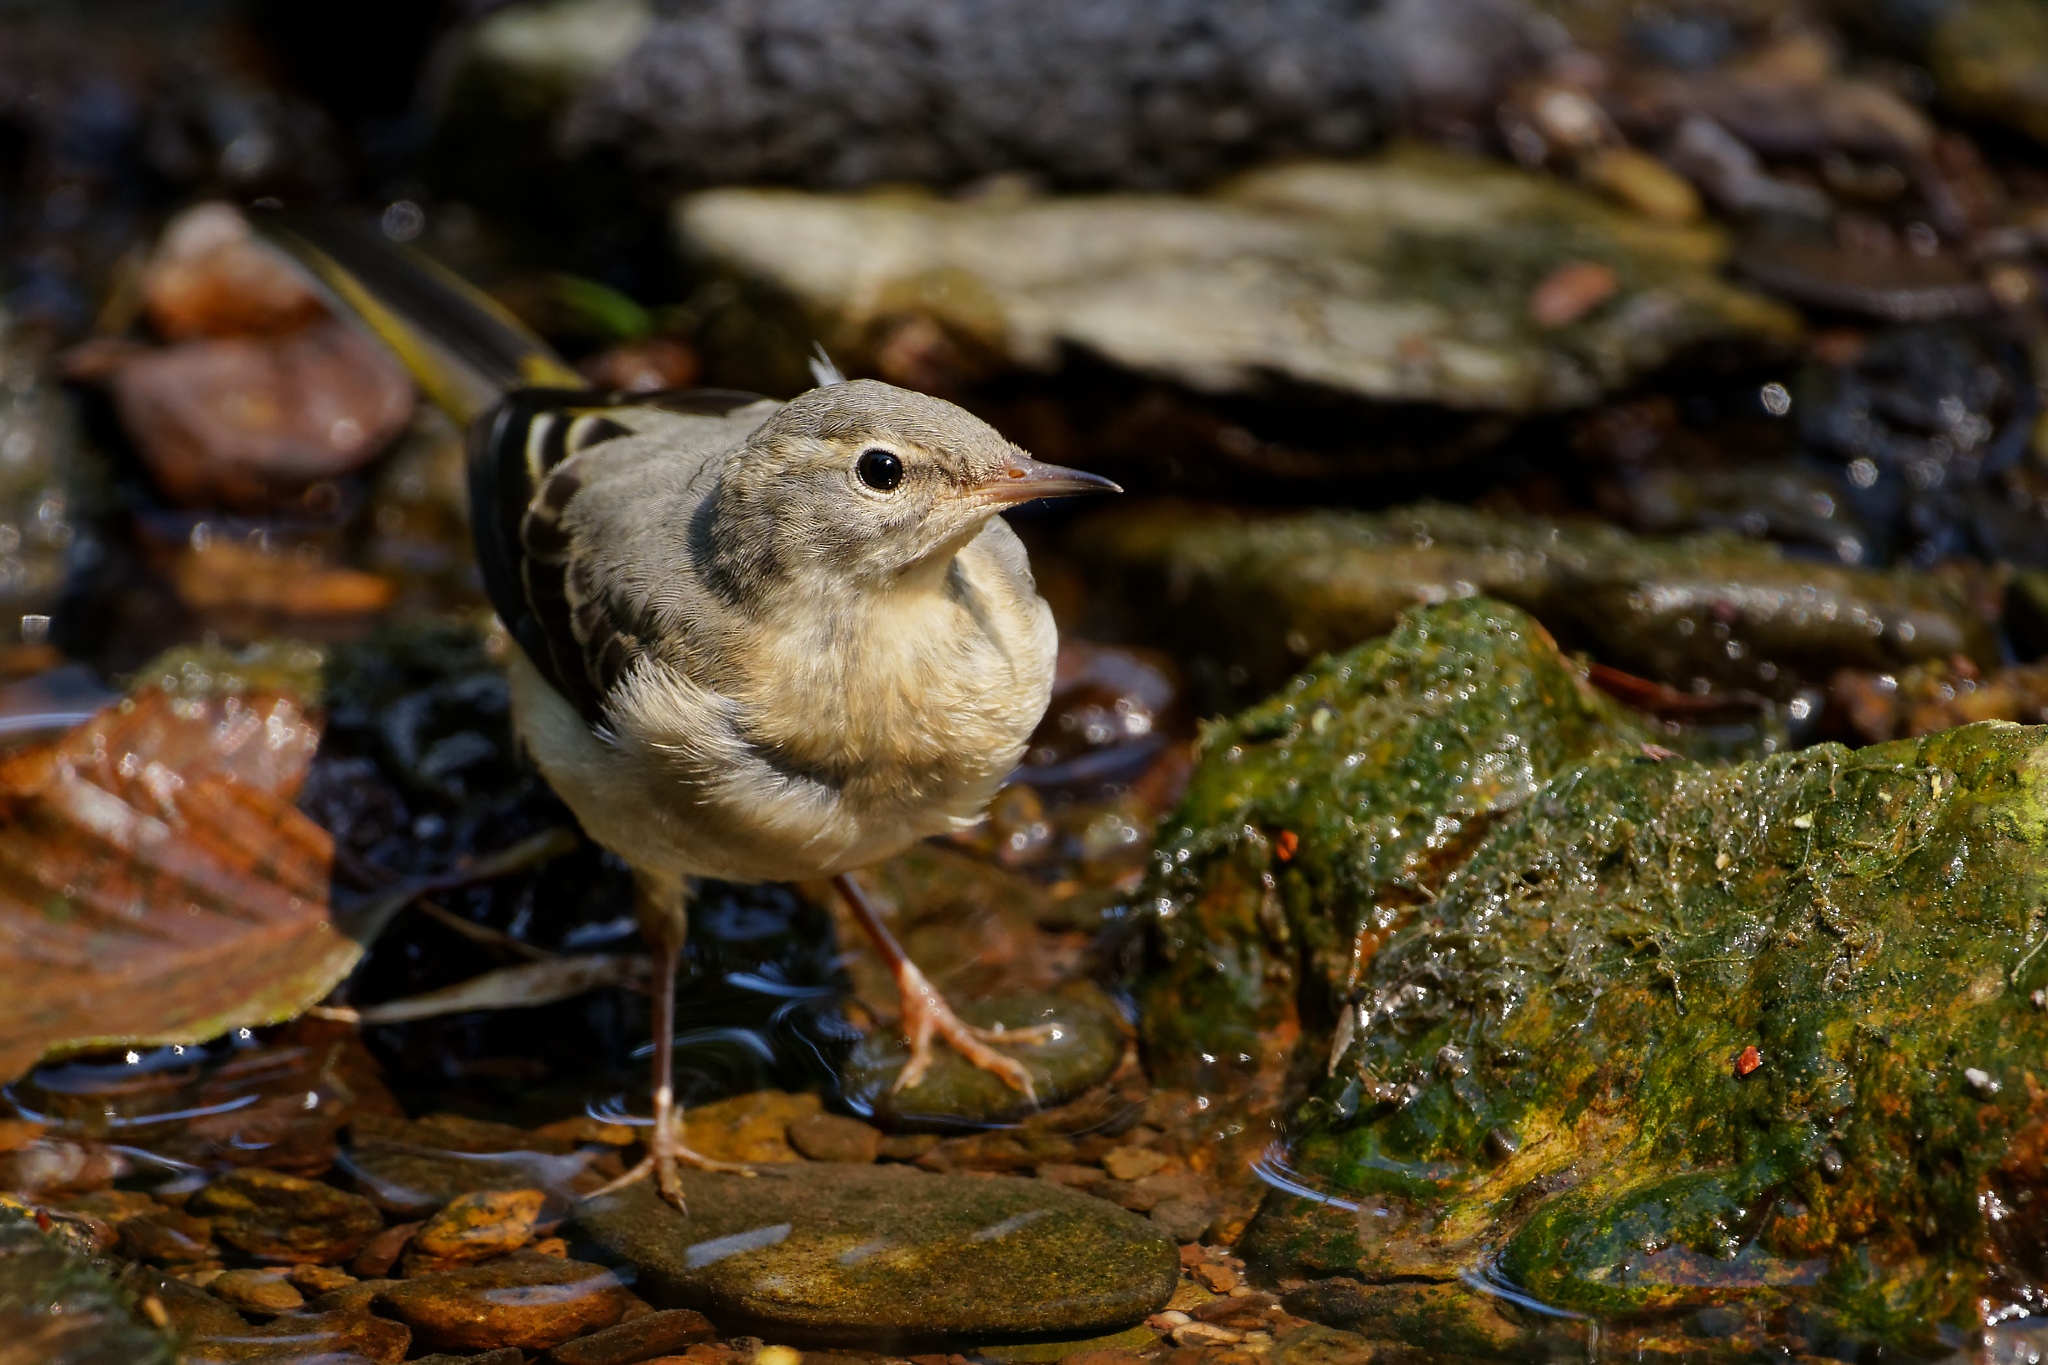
column 888, row 1254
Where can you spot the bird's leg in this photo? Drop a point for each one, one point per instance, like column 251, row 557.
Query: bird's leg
column 663, row 918
column 925, row 1011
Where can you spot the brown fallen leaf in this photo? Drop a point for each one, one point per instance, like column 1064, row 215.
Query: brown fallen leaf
column 222, row 576
column 211, row 277
column 246, row 423
column 156, row 883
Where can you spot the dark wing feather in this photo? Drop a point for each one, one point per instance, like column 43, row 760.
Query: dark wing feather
column 522, row 475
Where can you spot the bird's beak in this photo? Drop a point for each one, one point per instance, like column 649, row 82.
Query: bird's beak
column 1024, row 479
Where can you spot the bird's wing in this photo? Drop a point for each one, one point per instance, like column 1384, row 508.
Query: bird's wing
column 525, row 465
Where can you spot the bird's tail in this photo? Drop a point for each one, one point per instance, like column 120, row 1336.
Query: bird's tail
column 464, row 350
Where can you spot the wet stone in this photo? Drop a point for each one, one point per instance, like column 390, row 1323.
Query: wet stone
column 169, row 1237
column 834, row 1137
column 474, row 1228
column 1679, row 987
column 410, row 1181
column 319, row 1279
column 283, row 1218
column 643, row 1338
column 344, row 1335
column 887, row 1254
column 59, row 1308
column 524, row 1299
column 504, row 1355
column 263, row 1292
column 1404, row 278
column 753, row 1127
column 1085, row 1047
column 381, row 1252
column 356, row 1297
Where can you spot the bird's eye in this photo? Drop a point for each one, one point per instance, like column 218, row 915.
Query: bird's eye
column 879, row 470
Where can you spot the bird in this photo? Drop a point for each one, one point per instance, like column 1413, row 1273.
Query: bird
column 755, row 639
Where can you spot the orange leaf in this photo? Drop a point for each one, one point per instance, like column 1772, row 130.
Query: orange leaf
column 156, row 882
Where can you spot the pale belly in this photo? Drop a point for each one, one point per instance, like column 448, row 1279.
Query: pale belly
column 736, row 825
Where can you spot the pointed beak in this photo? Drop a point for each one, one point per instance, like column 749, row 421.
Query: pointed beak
column 1025, row 479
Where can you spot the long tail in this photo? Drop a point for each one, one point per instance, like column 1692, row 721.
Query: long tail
column 464, row 350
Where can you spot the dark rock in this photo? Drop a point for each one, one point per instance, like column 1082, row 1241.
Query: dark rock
column 1926, row 429
column 834, row 1137
column 1184, row 1220
column 1988, row 58
column 656, row 1334
column 504, row 1355
column 1085, row 1048
column 525, row 1299
column 168, row 1236
column 1266, row 595
column 1141, row 95
column 353, row 1298
column 381, row 1252
column 59, row 1308
column 887, row 1254
column 283, row 1218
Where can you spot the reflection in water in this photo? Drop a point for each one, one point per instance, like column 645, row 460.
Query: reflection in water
column 718, row 1248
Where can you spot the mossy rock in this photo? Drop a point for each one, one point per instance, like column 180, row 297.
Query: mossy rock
column 1623, row 1037
column 1264, row 595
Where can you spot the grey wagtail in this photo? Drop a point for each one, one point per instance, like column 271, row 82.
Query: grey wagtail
column 758, row 641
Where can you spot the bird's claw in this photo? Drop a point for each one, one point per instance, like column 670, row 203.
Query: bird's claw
column 926, row 1013
column 666, row 1151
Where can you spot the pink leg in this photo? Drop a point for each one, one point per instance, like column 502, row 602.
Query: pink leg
column 925, row 1011
column 665, row 1146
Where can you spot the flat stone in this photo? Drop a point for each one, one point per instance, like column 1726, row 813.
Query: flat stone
column 1405, row 278
column 1085, row 1048
column 381, row 1252
column 169, row 1237
column 753, row 1127
column 657, row 1334
column 257, row 1291
column 474, row 1227
column 278, row 1217
column 524, row 1300
column 887, row 1254
column 834, row 1137
column 342, row 1335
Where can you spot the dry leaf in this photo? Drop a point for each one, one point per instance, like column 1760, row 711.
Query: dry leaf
column 534, row 983
column 156, row 883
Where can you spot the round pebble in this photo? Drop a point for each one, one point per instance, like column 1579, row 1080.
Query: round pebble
column 280, row 1217
column 834, row 1137
column 524, row 1300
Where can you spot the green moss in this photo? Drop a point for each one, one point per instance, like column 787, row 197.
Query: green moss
column 1539, row 1071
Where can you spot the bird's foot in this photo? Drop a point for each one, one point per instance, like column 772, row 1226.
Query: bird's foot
column 666, row 1151
column 926, row 1015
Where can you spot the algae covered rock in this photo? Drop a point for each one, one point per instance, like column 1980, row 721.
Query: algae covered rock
column 1265, row 595
column 1319, row 819
column 1751, row 1048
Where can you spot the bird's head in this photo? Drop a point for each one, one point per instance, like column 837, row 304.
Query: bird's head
column 865, row 482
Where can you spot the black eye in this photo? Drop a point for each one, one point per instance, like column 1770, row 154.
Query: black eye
column 879, row 470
